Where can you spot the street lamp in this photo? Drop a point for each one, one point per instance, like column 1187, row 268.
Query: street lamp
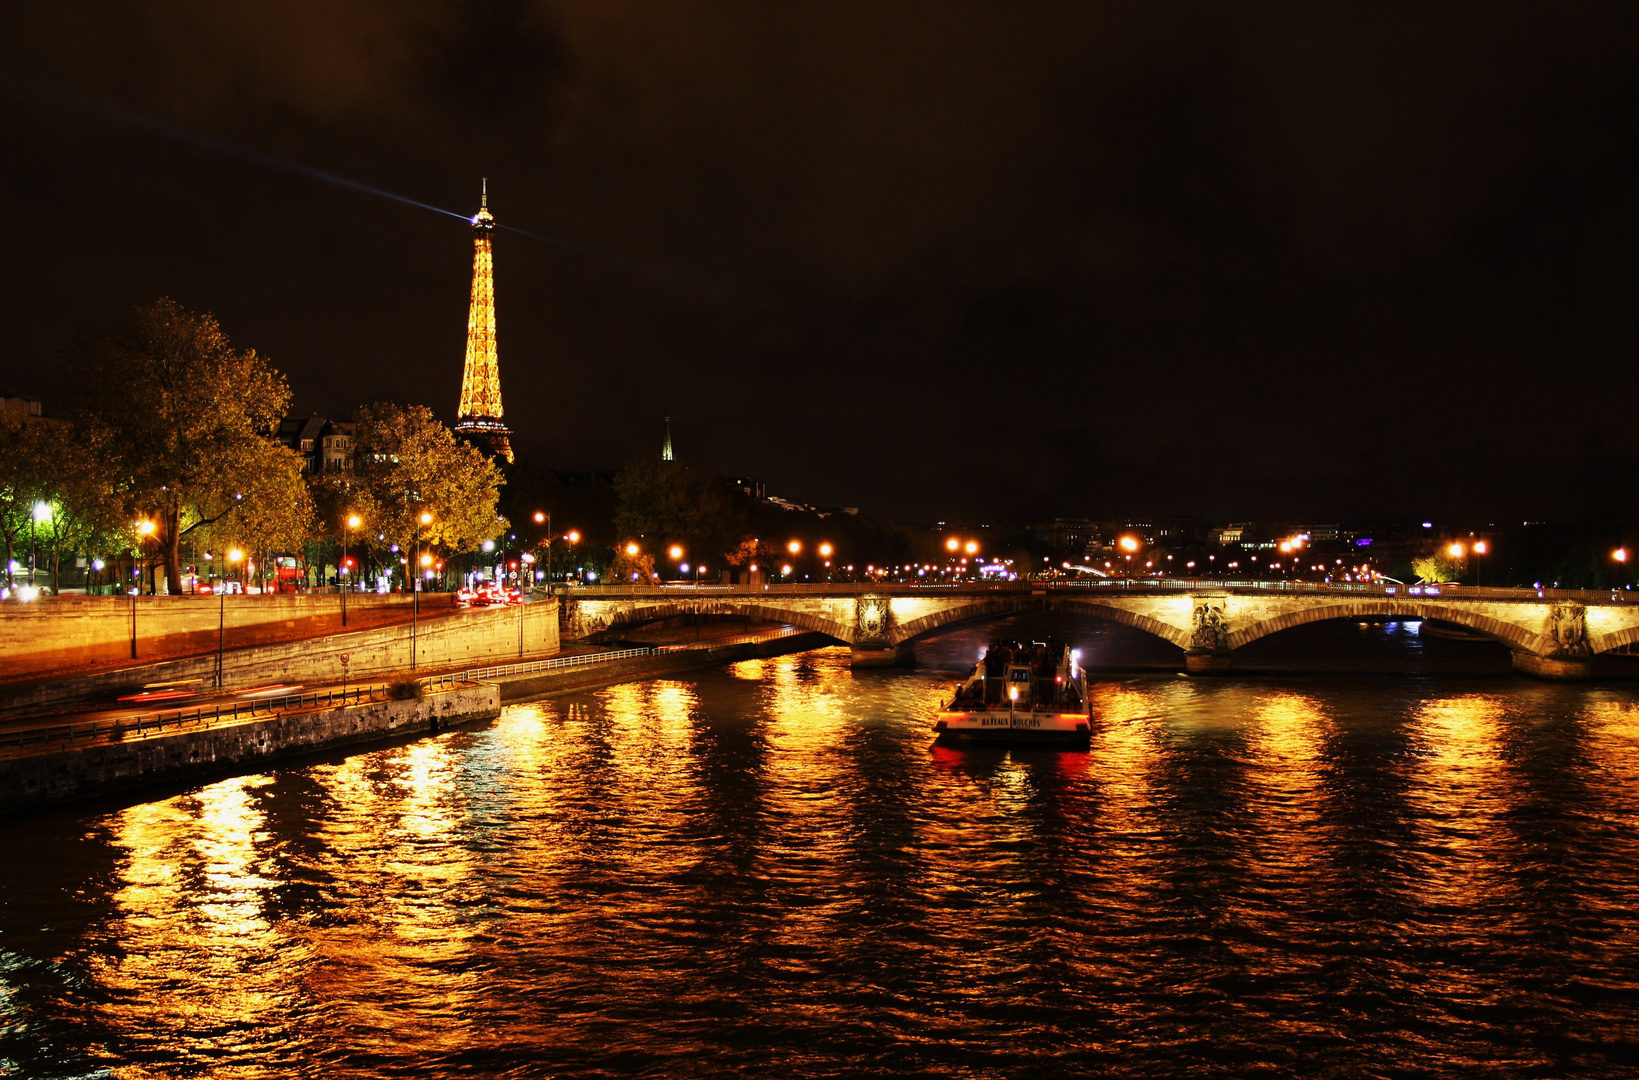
column 573, row 537
column 42, row 512
column 353, row 522
column 415, row 594
column 145, row 529
column 222, row 614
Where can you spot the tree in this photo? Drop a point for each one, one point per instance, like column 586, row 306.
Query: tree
column 77, row 510
column 406, row 463
column 53, row 492
column 666, row 502
column 186, row 424
column 638, row 568
column 1435, row 568
column 20, row 482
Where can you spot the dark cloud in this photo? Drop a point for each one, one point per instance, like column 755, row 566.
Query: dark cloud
column 938, row 259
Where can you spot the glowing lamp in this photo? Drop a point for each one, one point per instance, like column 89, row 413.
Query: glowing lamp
column 631, row 549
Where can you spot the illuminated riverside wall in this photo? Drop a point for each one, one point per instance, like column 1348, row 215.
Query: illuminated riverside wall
column 55, row 633
column 463, row 638
column 138, row 761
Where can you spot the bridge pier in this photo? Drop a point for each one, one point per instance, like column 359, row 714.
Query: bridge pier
column 1555, row 668
column 1206, row 662
column 883, row 655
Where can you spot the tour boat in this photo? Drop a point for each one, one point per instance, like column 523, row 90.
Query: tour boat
column 1033, row 691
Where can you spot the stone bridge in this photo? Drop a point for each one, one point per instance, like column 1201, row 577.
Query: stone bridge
column 1551, row 633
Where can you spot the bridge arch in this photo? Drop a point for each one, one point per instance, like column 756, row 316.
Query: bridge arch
column 640, row 613
column 1512, row 635
column 992, row 608
column 1616, row 639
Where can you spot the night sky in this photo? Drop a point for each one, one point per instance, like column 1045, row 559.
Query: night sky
column 939, row 261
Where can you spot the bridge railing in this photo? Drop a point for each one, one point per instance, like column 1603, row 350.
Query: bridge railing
column 687, row 591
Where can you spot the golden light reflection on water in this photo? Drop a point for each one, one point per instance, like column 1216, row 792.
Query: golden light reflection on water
column 195, row 940
column 1123, row 749
column 1612, row 747
column 808, row 790
column 1461, row 787
column 1286, row 804
column 1287, row 738
column 395, row 826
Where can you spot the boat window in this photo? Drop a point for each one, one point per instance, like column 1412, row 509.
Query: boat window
column 1020, row 675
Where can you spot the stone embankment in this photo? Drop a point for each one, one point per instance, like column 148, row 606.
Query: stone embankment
column 75, row 633
column 124, row 760
column 479, row 636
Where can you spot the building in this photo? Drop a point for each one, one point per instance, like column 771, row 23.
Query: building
column 1070, row 536
column 325, row 445
column 17, row 405
column 666, row 445
column 479, row 418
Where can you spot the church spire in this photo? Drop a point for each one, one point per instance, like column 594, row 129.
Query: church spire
column 479, row 417
column 666, row 446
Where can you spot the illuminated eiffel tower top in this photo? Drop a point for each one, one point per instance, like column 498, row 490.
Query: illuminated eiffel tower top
column 479, row 418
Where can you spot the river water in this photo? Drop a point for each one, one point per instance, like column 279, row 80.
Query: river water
column 1418, row 868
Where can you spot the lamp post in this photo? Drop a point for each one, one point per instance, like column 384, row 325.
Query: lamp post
column 542, row 516
column 353, row 522
column 144, row 529
column 413, row 565
column 572, row 537
column 222, row 613
column 42, row 512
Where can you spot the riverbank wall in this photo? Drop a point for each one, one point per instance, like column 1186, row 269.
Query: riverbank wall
column 468, row 637
column 136, row 761
column 63, row 632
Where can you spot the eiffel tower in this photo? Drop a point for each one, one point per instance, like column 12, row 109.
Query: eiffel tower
column 478, row 421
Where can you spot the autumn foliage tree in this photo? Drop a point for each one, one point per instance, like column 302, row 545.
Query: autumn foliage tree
column 186, row 424
column 665, row 502
column 406, row 463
